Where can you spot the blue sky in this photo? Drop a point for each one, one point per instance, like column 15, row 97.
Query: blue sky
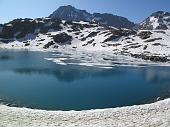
column 134, row 10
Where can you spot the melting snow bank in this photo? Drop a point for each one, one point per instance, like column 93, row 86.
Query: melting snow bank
column 100, row 59
column 156, row 114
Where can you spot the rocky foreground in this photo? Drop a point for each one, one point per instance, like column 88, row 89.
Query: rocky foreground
column 149, row 115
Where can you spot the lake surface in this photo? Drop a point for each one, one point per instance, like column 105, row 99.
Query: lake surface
column 28, row 80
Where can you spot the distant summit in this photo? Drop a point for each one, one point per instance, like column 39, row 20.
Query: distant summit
column 157, row 20
column 71, row 13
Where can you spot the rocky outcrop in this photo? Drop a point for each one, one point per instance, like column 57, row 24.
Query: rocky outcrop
column 151, row 57
column 62, row 38
column 144, row 34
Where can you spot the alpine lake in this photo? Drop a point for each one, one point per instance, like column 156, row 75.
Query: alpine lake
column 27, row 79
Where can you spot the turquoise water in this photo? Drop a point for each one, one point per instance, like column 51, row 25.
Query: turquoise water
column 28, row 80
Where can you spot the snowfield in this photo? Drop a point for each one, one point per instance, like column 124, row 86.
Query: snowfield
column 149, row 115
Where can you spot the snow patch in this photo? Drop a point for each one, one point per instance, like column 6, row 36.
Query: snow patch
column 154, row 22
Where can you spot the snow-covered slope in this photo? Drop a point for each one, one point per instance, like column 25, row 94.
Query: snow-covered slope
column 149, row 45
column 56, row 35
column 53, row 34
column 73, row 14
column 158, row 20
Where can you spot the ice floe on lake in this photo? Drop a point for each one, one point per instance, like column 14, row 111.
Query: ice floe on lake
column 98, row 59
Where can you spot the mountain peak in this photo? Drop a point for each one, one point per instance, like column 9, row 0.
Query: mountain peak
column 157, row 20
column 69, row 6
column 66, row 7
column 71, row 13
column 160, row 14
